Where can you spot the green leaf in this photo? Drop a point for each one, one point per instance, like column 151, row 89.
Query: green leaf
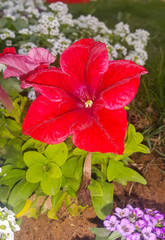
column 114, row 235
column 32, row 157
column 114, row 169
column 78, row 151
column 11, row 86
column 4, row 192
column 19, row 206
column 28, row 144
column 54, row 171
column 3, row 22
column 57, row 200
column 20, row 23
column 74, row 183
column 13, row 126
column 129, row 174
column 100, row 232
column 35, row 173
column 50, row 186
column 103, row 205
column 99, row 173
column 13, row 176
column 21, row 191
column 57, row 153
column 95, row 188
column 79, row 168
column 68, row 169
column 143, row 149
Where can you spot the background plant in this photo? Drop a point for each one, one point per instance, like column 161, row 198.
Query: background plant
column 27, row 165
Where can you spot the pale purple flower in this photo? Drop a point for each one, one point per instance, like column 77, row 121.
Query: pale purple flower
column 121, row 213
column 134, row 236
column 151, row 221
column 147, row 233
column 140, row 224
column 150, row 211
column 138, row 213
column 157, row 231
column 159, row 217
column 130, row 207
column 125, row 228
column 111, row 223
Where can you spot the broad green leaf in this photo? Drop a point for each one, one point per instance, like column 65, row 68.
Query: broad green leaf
column 114, row 169
column 143, row 149
column 114, row 235
column 57, row 153
column 3, row 22
column 100, row 158
column 54, row 170
column 35, row 173
column 11, row 86
column 95, row 188
column 28, row 144
column 52, row 214
column 32, row 157
column 121, row 181
column 5, row 169
column 19, row 206
column 68, row 169
column 139, row 137
column 13, row 176
column 129, row 174
column 78, row 151
column 74, row 183
column 100, row 232
column 103, row 205
column 50, row 186
column 57, row 200
column 21, row 191
column 20, row 23
column 4, row 192
column 13, row 126
column 79, row 168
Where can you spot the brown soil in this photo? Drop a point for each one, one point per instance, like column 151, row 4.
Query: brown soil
column 77, row 228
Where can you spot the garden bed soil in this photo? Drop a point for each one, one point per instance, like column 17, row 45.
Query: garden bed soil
column 77, row 228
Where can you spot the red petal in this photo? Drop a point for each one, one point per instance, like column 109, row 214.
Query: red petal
column 120, row 83
column 52, row 83
column 105, row 132
column 8, row 50
column 50, row 122
column 74, row 60
column 97, row 65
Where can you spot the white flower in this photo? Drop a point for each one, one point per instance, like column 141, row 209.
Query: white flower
column 121, row 29
column 32, row 94
column 4, row 227
column 25, row 31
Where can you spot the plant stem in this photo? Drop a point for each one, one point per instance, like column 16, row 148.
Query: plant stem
column 83, row 193
column 5, row 100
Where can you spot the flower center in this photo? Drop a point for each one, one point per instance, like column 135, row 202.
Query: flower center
column 88, row 104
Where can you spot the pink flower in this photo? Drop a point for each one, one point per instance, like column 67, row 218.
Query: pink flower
column 21, row 65
column 84, row 98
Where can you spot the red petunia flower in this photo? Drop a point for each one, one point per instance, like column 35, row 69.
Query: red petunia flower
column 21, row 65
column 85, row 98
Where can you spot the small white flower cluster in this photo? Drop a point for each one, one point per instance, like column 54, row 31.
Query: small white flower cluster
column 6, row 33
column 53, row 27
column 7, row 224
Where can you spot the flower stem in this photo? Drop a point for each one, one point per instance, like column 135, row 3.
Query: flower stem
column 83, row 193
column 5, row 100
